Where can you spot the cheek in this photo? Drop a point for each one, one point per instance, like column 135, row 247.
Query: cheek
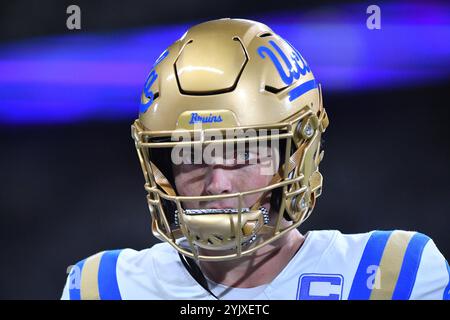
column 252, row 179
column 187, row 186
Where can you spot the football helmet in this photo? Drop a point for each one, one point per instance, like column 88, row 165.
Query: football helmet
column 230, row 74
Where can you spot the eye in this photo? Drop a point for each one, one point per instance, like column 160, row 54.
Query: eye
column 246, row 156
column 243, row 155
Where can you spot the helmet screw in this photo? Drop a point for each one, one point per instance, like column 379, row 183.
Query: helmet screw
column 302, row 204
column 298, row 205
column 308, row 130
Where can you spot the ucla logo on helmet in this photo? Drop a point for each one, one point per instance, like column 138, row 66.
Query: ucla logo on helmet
column 149, row 82
column 295, row 63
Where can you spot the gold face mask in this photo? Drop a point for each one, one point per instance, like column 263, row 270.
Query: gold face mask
column 225, row 76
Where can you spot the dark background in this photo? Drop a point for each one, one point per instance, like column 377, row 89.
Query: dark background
column 70, row 190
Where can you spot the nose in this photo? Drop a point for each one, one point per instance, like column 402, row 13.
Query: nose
column 218, row 181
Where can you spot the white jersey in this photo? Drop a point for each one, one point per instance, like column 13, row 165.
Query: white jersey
column 329, row 266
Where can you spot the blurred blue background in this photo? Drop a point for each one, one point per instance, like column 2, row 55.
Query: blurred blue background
column 71, row 182
column 98, row 75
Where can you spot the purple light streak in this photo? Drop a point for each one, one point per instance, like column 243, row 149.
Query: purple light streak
column 100, row 76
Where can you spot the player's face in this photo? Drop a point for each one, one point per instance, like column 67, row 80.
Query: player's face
column 246, row 169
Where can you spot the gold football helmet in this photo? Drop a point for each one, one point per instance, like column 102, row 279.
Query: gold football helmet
column 222, row 75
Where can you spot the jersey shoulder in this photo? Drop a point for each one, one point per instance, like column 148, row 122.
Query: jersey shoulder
column 124, row 274
column 94, row 277
column 404, row 264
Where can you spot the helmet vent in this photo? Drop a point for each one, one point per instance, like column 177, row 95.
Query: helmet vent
column 273, row 89
column 265, row 34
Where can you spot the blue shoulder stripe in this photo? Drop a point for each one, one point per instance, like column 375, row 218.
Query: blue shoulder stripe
column 75, row 281
column 107, row 277
column 446, row 295
column 371, row 257
column 410, row 266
